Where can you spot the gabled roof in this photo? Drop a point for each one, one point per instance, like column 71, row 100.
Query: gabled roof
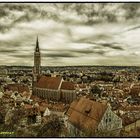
column 67, row 85
column 26, row 94
column 49, row 82
column 28, row 106
column 20, row 88
column 35, row 98
column 86, row 114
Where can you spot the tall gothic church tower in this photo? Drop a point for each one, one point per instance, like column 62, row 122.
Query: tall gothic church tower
column 37, row 62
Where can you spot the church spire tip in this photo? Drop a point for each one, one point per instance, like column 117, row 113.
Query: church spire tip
column 37, row 44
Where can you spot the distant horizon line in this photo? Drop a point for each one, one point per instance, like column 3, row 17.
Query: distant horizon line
column 73, row 65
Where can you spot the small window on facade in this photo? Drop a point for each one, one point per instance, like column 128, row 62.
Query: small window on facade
column 109, row 119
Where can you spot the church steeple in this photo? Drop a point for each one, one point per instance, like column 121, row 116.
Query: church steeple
column 37, row 61
column 37, row 45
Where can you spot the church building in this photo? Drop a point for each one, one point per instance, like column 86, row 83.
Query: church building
column 50, row 88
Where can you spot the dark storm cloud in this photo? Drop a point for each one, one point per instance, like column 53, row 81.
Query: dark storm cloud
column 10, row 44
column 71, row 53
column 132, row 28
column 132, row 10
column 16, row 13
column 8, row 51
column 62, row 54
column 90, row 13
column 59, row 35
column 21, row 55
column 102, row 12
column 68, row 52
column 89, row 51
column 93, row 38
column 115, row 46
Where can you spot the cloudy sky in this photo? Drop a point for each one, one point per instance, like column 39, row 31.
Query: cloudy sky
column 70, row 33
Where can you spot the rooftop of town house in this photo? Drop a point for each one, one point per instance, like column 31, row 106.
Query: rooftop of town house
column 30, row 109
column 20, row 88
column 28, row 106
column 26, row 94
column 85, row 113
column 135, row 89
column 60, row 107
column 42, row 106
column 35, row 98
column 130, row 108
column 67, row 86
column 81, row 85
column 127, row 120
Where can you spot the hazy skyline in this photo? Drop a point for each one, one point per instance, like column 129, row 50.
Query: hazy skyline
column 70, row 34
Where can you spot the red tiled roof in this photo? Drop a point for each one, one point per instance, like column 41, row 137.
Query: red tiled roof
column 18, row 87
column 27, row 106
column 135, row 89
column 49, row 82
column 67, row 85
column 35, row 98
column 130, row 108
column 85, row 113
column 30, row 110
column 25, row 94
column 82, row 85
column 43, row 106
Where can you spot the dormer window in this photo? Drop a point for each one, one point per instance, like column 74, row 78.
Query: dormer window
column 88, row 109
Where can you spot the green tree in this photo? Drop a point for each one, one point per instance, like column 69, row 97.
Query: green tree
column 52, row 129
column 96, row 90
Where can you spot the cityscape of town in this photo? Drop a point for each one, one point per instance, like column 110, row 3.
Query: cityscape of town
column 68, row 101
column 78, row 101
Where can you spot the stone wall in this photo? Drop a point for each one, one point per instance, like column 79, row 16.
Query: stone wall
column 68, row 95
column 47, row 93
column 55, row 95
